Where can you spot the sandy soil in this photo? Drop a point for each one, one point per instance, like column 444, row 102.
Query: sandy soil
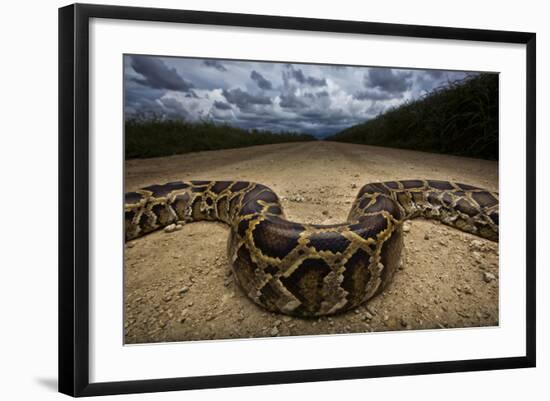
column 179, row 286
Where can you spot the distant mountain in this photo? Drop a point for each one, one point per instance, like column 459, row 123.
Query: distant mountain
column 460, row 118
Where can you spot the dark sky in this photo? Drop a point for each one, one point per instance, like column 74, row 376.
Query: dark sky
column 315, row 99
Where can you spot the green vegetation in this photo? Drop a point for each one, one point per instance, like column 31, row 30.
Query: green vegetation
column 153, row 137
column 459, row 119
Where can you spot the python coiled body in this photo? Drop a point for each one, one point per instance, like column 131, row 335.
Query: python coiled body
column 308, row 269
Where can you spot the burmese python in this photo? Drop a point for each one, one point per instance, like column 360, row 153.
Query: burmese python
column 309, row 269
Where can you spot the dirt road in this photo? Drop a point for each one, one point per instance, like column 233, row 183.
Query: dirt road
column 179, row 286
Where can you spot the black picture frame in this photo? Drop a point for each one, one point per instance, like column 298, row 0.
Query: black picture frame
column 74, row 198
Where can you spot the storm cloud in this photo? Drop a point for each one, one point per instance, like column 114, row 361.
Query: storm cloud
column 155, row 74
column 374, row 94
column 291, row 101
column 260, row 80
column 215, row 64
column 309, row 98
column 388, row 80
column 221, row 105
column 301, row 78
column 244, row 100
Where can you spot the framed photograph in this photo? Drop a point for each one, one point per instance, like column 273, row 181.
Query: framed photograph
column 251, row 199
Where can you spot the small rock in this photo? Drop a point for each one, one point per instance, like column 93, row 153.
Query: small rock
column 178, row 227
column 167, row 298
column 287, row 319
column 170, row 229
column 184, row 289
column 477, row 245
column 426, row 236
column 371, row 310
column 476, row 256
column 488, row 277
column 467, row 290
column 403, row 322
column 325, row 212
column 367, row 316
column 406, row 227
column 463, row 314
column 274, row 332
column 353, row 186
column 130, row 244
